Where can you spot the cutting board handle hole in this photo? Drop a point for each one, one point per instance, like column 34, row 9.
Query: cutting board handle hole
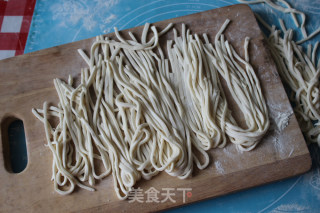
column 14, row 145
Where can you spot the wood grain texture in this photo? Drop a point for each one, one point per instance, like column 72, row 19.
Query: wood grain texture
column 27, row 81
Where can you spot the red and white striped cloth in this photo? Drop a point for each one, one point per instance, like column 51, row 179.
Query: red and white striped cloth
column 15, row 20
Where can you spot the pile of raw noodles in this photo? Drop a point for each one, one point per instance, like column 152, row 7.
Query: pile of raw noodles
column 298, row 69
column 139, row 112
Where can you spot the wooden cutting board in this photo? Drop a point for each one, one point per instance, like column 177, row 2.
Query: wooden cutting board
column 26, row 82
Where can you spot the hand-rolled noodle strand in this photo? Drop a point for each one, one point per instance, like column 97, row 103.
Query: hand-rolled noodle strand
column 300, row 72
column 138, row 65
column 195, row 83
column 287, row 9
column 245, row 90
column 157, row 111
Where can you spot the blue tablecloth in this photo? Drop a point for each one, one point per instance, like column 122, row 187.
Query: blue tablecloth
column 63, row 21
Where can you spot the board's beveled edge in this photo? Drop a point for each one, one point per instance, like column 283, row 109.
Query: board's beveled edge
column 277, row 166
